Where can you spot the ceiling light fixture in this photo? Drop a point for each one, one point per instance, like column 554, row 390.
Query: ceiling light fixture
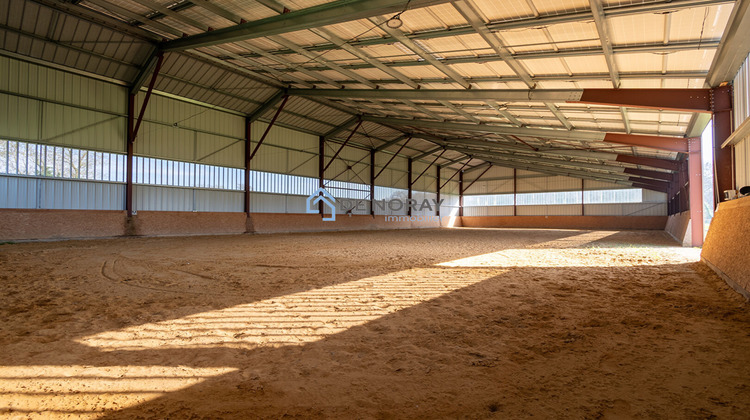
column 395, row 22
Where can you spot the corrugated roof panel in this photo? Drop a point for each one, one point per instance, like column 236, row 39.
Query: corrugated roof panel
column 639, row 62
column 458, row 46
column 526, row 40
column 435, row 17
column 584, row 65
column 690, row 24
column 690, row 60
column 498, row 11
column 545, row 66
column 554, row 7
column 574, row 34
column 637, row 29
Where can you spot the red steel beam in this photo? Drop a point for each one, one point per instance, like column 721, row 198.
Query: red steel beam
column 689, row 100
column 151, row 84
column 671, row 165
column 461, row 194
column 721, row 99
column 645, row 173
column 268, row 129
column 428, row 166
column 669, row 144
column 248, row 126
column 695, row 194
column 392, row 157
column 477, row 178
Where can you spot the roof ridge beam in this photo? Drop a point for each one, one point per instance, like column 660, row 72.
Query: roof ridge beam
column 321, row 15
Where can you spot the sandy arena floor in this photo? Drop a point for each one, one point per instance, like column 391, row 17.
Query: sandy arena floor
column 457, row 323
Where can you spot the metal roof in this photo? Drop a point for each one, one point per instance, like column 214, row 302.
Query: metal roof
column 241, row 54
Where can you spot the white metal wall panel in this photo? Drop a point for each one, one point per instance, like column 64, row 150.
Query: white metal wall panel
column 742, row 94
column 627, row 209
column 82, row 128
column 58, row 86
column 19, row 118
column 555, row 210
column 489, row 211
column 18, row 193
column 546, row 184
column 219, row 150
column 152, row 198
column 36, row 193
column 211, row 200
column 742, row 162
column 495, row 186
column 162, row 141
column 191, row 116
column 741, row 113
column 603, row 185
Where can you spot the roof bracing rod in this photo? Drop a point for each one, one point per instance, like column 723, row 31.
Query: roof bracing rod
column 157, row 68
column 428, row 167
column 489, row 166
column 321, row 15
column 268, row 129
column 335, row 155
column 455, row 173
column 392, row 158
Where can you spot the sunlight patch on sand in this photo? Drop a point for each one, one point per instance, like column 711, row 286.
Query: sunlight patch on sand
column 90, row 391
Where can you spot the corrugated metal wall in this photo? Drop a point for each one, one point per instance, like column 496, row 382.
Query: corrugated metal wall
column 36, row 193
column 741, row 113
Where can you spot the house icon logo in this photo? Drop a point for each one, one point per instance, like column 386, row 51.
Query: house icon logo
column 322, row 196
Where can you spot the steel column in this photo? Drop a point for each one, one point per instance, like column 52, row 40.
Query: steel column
column 721, row 103
column 437, row 208
column 409, row 175
column 583, row 194
column 461, row 194
column 129, row 160
column 372, row 182
column 696, row 192
column 515, row 191
column 321, row 165
column 248, row 123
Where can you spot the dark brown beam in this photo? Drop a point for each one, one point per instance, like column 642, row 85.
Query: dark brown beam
column 645, row 173
column 688, row 100
column 342, row 146
column 159, row 62
column 268, row 129
column 477, row 178
column 670, row 144
column 723, row 159
column 671, row 165
column 248, row 126
column 661, row 185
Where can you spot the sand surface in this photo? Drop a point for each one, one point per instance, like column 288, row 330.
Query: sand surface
column 453, row 323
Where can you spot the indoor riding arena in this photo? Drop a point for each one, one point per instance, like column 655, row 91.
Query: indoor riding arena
column 386, row 209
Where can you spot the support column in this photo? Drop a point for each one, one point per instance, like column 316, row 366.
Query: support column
column 583, row 194
column 409, row 162
column 247, row 165
column 721, row 105
column 129, row 160
column 695, row 192
column 321, row 167
column 461, row 194
column 515, row 189
column 437, row 208
column 372, row 182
